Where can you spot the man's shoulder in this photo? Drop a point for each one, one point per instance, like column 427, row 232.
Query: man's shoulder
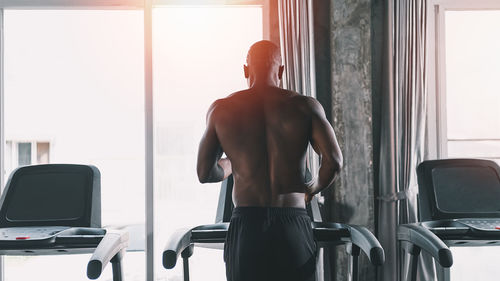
column 236, row 94
column 306, row 103
column 229, row 99
column 222, row 103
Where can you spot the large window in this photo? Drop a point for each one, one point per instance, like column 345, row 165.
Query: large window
column 198, row 54
column 472, row 90
column 465, row 89
column 78, row 88
column 74, row 94
column 21, row 153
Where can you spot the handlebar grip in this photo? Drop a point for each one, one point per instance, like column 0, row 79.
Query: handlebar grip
column 426, row 240
column 367, row 242
column 180, row 240
column 111, row 244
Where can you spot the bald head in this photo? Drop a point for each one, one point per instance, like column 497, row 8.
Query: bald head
column 264, row 62
column 263, row 53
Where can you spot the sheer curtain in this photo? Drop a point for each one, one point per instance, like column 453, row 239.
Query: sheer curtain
column 297, row 45
column 403, row 124
column 297, row 49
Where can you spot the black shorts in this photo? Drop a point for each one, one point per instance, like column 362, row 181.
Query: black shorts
column 270, row 244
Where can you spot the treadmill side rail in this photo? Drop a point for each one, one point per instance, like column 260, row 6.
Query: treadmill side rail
column 423, row 238
column 367, row 242
column 111, row 245
column 179, row 241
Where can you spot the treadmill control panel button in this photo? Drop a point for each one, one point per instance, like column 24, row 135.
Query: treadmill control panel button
column 22, row 238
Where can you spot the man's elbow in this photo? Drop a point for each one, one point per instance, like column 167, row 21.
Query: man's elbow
column 338, row 163
column 203, row 179
column 335, row 162
column 203, row 175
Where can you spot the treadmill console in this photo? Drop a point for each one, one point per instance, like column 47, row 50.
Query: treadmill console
column 52, row 195
column 482, row 224
column 31, row 235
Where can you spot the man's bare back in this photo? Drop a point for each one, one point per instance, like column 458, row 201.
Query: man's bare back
column 265, row 132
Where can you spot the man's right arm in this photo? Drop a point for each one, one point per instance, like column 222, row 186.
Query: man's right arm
column 325, row 143
column 210, row 166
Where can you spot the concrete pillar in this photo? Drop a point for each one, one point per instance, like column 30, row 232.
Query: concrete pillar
column 352, row 197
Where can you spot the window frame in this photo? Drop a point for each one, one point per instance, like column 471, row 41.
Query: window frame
column 436, row 102
column 270, row 32
column 436, row 131
column 14, row 151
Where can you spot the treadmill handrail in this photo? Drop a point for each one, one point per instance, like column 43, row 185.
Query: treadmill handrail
column 366, row 241
column 113, row 242
column 359, row 236
column 178, row 241
column 423, row 238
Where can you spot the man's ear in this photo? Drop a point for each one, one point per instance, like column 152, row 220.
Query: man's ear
column 245, row 70
column 280, row 71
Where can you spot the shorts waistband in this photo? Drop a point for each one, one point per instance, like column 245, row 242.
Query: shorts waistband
column 268, row 211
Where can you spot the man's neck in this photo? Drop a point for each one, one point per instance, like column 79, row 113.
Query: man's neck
column 263, row 83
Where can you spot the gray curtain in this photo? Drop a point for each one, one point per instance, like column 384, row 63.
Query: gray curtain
column 402, row 129
column 297, row 45
column 297, row 49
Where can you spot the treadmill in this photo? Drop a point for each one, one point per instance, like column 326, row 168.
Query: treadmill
column 356, row 238
column 55, row 209
column 459, row 205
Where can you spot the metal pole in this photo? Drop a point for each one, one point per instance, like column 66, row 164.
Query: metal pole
column 116, row 264
column 354, row 251
column 149, row 141
column 355, row 268
column 2, row 119
column 414, row 252
column 185, row 263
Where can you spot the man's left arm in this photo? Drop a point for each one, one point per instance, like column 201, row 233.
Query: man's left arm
column 210, row 166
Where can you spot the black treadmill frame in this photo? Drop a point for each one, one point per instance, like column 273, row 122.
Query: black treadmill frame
column 356, row 238
column 440, row 230
column 84, row 235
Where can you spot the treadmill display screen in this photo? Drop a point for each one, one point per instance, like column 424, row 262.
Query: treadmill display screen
column 467, row 189
column 48, row 197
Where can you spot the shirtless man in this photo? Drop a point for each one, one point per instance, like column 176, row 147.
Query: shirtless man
column 265, row 131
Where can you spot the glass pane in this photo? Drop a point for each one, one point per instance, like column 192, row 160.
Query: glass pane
column 42, row 152
column 7, row 161
column 76, row 79
column 475, row 263
column 474, row 149
column 472, row 72
column 198, row 54
column 473, row 118
column 24, row 153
